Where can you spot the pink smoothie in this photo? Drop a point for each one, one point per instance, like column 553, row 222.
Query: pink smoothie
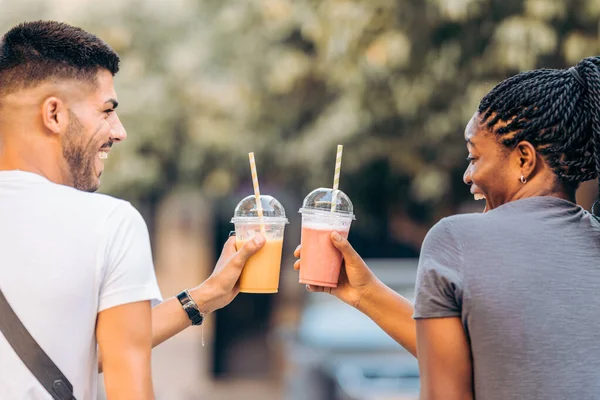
column 320, row 261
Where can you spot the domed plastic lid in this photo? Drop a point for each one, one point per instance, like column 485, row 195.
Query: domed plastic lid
column 320, row 200
column 246, row 210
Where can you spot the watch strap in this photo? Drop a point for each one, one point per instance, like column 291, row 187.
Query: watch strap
column 190, row 307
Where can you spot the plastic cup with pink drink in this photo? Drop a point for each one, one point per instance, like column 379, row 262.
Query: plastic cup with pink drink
column 323, row 211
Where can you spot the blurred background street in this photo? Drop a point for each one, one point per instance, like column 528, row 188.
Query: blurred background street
column 204, row 82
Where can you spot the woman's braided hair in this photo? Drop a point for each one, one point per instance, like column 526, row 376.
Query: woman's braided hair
column 557, row 111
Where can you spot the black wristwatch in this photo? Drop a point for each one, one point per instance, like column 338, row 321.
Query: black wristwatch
column 190, row 307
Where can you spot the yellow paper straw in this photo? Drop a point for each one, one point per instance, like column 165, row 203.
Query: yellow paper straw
column 336, row 176
column 259, row 209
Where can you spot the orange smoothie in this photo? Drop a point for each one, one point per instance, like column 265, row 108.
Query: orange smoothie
column 320, row 261
column 261, row 273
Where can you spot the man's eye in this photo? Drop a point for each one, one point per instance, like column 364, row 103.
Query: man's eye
column 470, row 159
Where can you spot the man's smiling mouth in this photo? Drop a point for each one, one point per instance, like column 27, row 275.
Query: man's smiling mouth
column 104, row 150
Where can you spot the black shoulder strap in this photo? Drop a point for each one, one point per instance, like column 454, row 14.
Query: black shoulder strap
column 32, row 355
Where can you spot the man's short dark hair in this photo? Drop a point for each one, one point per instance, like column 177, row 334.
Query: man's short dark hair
column 34, row 52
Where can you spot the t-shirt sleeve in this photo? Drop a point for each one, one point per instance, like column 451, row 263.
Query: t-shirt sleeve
column 128, row 270
column 439, row 286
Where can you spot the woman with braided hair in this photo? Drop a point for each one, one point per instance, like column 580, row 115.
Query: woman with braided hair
column 507, row 301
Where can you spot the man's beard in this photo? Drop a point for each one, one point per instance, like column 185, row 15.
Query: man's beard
column 79, row 159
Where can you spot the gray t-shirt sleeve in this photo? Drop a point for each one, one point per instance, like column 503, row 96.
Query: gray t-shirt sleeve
column 439, row 286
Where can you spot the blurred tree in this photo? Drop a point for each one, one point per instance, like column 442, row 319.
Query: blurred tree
column 205, row 82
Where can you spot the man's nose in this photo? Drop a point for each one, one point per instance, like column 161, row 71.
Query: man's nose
column 117, row 131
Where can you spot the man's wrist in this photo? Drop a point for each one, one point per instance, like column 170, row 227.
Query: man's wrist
column 201, row 295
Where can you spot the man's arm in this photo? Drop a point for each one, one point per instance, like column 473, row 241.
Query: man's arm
column 124, row 338
column 169, row 318
column 445, row 365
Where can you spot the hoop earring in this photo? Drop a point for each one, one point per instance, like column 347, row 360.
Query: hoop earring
column 523, row 180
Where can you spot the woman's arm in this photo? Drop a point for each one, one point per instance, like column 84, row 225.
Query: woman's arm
column 445, row 365
column 393, row 313
column 360, row 288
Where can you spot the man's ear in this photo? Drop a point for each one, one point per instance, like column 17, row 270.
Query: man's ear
column 55, row 115
column 527, row 158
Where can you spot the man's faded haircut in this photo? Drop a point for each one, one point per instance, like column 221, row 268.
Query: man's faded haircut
column 34, row 52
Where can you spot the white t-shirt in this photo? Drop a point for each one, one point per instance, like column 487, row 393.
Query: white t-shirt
column 65, row 256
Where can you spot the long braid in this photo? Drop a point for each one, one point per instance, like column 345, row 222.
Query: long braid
column 558, row 111
column 591, row 74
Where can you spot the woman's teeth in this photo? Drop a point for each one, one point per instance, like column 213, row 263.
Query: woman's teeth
column 103, row 155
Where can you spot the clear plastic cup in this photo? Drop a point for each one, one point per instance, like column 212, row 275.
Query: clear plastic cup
column 261, row 272
column 320, row 261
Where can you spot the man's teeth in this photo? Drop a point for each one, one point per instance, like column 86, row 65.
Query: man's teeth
column 103, row 155
column 479, row 196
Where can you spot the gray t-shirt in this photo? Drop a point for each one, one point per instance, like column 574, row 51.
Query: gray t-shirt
column 525, row 280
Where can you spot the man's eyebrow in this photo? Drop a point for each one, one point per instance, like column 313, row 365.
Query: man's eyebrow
column 114, row 102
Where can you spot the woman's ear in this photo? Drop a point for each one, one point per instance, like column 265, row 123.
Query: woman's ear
column 526, row 158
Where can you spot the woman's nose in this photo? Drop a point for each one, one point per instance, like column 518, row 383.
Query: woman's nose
column 467, row 177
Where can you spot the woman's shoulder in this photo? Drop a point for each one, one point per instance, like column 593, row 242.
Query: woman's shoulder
column 447, row 233
column 456, row 231
column 453, row 224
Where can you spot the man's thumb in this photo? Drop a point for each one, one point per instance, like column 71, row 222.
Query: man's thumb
column 247, row 250
column 229, row 248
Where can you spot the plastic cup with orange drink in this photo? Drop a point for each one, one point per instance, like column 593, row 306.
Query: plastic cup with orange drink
column 261, row 272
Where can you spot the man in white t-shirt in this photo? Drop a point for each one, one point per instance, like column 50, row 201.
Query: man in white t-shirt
column 76, row 266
